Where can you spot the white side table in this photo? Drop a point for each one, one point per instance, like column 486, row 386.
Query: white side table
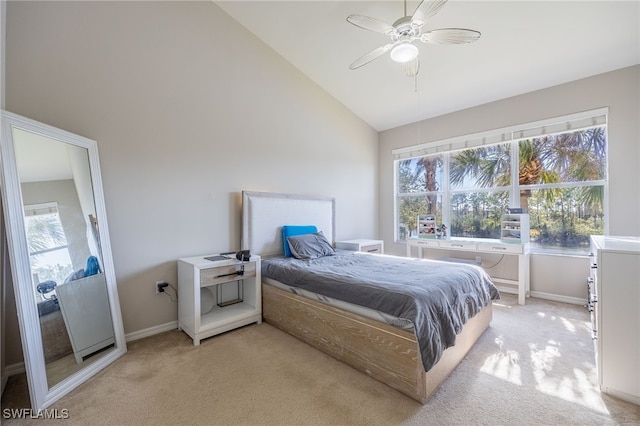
column 228, row 290
column 364, row 245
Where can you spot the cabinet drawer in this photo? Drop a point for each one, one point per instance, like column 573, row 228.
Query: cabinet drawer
column 224, row 274
column 372, row 248
column 425, row 243
column 458, row 245
column 501, row 248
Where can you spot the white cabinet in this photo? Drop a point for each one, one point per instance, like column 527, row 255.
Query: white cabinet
column 369, row 246
column 514, row 228
column 215, row 296
column 614, row 302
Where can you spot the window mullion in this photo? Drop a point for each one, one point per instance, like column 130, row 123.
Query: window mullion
column 579, row 184
column 446, row 194
column 514, row 191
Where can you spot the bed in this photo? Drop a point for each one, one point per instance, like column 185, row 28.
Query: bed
column 377, row 338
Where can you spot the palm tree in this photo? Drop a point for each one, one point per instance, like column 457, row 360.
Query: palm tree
column 489, row 166
column 43, row 233
column 566, row 157
column 430, row 166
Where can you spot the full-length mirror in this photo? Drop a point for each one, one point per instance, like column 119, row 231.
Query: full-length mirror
column 65, row 288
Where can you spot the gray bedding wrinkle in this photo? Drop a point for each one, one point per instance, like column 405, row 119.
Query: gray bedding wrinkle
column 438, row 297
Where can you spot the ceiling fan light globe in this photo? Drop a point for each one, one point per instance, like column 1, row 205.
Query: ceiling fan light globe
column 404, row 52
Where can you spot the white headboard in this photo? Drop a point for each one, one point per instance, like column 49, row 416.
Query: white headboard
column 264, row 214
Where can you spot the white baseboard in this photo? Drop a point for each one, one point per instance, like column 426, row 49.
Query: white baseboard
column 559, row 298
column 141, row 334
column 13, row 369
column 18, row 368
column 507, row 290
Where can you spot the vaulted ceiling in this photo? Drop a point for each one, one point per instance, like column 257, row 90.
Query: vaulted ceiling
column 525, row 46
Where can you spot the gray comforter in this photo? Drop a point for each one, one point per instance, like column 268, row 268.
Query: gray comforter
column 438, row 297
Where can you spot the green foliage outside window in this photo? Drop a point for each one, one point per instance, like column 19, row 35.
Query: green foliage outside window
column 560, row 183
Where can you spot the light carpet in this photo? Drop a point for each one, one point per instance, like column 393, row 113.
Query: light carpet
column 534, row 365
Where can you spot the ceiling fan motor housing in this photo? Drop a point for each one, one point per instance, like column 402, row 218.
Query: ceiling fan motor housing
column 406, row 29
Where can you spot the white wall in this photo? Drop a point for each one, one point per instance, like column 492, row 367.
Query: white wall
column 188, row 110
column 550, row 275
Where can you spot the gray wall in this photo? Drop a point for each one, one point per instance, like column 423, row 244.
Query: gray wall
column 188, row 110
column 619, row 90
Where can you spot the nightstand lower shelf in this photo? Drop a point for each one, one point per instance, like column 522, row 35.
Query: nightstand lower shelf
column 220, row 316
column 212, row 325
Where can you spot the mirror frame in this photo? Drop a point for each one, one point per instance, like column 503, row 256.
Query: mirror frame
column 41, row 394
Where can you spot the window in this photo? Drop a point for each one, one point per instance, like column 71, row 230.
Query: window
column 556, row 170
column 47, row 244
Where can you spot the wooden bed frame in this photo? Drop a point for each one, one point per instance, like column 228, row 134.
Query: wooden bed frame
column 386, row 353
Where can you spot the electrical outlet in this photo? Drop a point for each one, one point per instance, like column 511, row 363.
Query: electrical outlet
column 478, row 260
column 159, row 287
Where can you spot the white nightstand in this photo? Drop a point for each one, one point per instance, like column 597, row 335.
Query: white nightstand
column 369, row 246
column 217, row 296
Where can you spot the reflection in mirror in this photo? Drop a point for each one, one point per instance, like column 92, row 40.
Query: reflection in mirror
column 68, row 284
column 62, row 269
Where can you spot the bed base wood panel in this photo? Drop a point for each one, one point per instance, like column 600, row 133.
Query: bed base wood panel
column 386, row 353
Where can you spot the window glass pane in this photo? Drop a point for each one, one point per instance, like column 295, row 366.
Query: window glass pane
column 52, row 266
column 563, row 219
column 560, row 182
column 565, row 157
column 420, row 174
column 44, row 232
column 411, row 208
column 484, row 167
column 477, row 214
column 48, row 253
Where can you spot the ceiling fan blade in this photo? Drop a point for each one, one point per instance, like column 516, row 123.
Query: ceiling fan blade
column 370, row 24
column 450, row 36
column 426, row 10
column 368, row 57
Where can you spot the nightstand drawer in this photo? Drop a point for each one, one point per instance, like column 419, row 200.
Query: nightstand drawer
column 224, row 274
column 373, row 248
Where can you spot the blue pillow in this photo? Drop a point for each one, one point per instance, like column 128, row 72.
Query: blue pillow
column 293, row 230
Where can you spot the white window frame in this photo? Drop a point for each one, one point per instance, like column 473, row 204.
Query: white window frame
column 512, row 135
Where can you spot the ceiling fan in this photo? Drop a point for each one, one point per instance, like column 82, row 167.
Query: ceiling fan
column 405, row 31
